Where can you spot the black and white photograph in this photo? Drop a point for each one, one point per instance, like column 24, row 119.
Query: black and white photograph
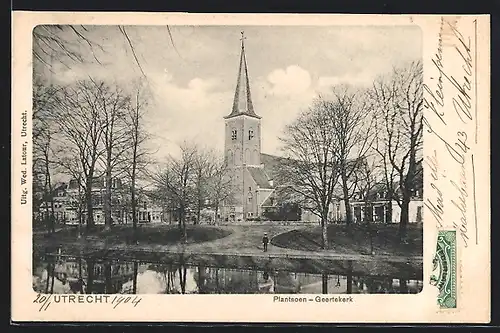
column 191, row 159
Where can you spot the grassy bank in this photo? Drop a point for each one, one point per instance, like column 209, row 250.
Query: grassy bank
column 382, row 238
column 153, row 235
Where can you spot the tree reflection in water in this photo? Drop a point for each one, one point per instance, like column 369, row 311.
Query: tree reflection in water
column 324, row 286
column 90, row 275
column 349, row 277
column 134, row 277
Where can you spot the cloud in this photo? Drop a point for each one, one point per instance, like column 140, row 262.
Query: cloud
column 192, row 113
column 201, row 85
column 292, row 80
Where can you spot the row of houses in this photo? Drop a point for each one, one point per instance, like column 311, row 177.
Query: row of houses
column 68, row 206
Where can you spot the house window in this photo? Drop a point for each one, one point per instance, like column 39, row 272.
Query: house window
column 250, row 134
column 249, row 197
column 234, row 135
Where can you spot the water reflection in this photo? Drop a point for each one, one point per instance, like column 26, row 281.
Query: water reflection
column 77, row 275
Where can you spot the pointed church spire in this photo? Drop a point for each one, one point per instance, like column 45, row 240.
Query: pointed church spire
column 242, row 103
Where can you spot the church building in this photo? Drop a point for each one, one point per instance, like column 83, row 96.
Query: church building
column 252, row 172
column 252, row 181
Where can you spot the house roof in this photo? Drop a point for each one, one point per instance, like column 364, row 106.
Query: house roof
column 260, row 177
column 269, row 202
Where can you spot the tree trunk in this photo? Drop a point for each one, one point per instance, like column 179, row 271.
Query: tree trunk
column 198, row 208
column 80, row 209
column 133, row 195
column 347, row 204
column 216, row 213
column 324, row 233
column 179, row 220
column 184, row 228
column 107, row 194
column 182, row 221
column 134, row 211
column 88, row 201
column 403, row 223
column 49, row 191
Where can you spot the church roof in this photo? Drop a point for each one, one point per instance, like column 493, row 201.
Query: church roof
column 242, row 104
column 260, row 177
column 271, row 164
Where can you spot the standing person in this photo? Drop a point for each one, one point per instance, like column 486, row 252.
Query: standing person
column 265, row 240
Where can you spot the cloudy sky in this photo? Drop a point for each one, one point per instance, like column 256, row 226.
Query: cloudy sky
column 193, row 83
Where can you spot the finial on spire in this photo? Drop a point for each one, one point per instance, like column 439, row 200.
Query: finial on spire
column 242, row 39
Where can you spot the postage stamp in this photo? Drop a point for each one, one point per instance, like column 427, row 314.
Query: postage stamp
column 444, row 269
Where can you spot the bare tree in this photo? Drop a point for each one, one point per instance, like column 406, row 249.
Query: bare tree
column 63, row 44
column 201, row 171
column 42, row 165
column 72, row 44
column 398, row 100
column 44, row 101
column 80, row 129
column 137, row 154
column 221, row 185
column 177, row 179
column 368, row 176
column 115, row 136
column 367, row 181
column 351, row 123
column 311, row 166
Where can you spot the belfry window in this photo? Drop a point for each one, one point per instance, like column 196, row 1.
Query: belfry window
column 234, row 135
column 250, row 134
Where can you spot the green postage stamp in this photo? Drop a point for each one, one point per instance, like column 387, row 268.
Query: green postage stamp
column 444, row 270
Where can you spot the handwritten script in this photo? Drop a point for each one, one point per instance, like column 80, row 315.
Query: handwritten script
column 114, row 300
column 448, row 98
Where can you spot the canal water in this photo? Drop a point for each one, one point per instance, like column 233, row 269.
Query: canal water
column 66, row 274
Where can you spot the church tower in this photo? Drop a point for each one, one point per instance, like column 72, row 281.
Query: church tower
column 242, row 148
column 242, row 130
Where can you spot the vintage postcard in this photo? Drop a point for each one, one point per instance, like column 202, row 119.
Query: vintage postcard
column 250, row 168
